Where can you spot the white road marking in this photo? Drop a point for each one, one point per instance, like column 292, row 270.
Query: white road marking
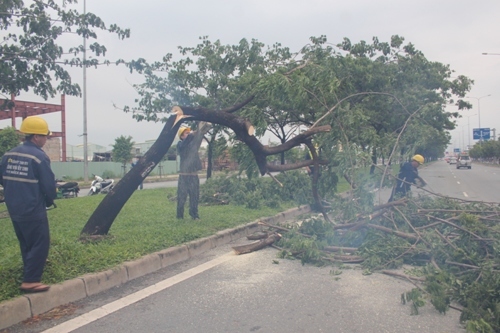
column 458, row 183
column 109, row 308
column 465, row 195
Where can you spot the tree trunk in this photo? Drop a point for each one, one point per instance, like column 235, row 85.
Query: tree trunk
column 282, row 155
column 374, row 161
column 210, row 156
column 101, row 220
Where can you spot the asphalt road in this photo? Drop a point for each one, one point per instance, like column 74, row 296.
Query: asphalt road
column 480, row 183
column 219, row 291
column 84, row 190
column 257, row 292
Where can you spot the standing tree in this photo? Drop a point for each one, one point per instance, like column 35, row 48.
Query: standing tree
column 369, row 95
column 30, row 54
column 9, row 138
column 418, row 83
column 122, row 150
column 208, row 75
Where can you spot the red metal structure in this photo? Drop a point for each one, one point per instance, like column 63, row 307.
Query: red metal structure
column 23, row 109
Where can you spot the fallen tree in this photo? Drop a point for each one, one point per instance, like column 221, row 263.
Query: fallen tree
column 103, row 217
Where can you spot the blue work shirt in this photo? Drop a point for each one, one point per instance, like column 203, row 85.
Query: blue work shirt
column 28, row 182
column 407, row 176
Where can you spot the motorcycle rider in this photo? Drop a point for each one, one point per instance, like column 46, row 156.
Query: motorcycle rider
column 29, row 189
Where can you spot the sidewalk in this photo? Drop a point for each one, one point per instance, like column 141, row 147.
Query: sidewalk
column 29, row 305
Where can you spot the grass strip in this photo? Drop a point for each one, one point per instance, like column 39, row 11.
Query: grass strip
column 146, row 224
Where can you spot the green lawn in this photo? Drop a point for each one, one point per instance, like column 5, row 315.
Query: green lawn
column 146, row 224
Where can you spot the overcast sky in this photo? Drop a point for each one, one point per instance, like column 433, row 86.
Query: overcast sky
column 454, row 32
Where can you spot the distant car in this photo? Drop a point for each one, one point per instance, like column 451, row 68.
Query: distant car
column 453, row 160
column 464, row 162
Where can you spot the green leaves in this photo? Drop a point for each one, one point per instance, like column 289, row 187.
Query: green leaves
column 122, row 149
column 30, row 54
column 9, row 138
column 415, row 297
column 254, row 193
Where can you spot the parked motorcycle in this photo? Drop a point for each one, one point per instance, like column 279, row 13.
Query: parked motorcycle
column 100, row 185
column 66, row 189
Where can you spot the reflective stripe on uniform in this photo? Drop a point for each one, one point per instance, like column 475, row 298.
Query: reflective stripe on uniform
column 24, row 180
column 24, row 155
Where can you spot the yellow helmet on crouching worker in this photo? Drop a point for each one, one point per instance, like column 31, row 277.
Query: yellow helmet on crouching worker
column 419, row 158
column 34, row 125
column 182, row 130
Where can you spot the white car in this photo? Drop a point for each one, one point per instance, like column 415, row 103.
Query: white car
column 464, row 162
column 453, row 160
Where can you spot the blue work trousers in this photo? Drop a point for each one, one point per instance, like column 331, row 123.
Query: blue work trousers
column 188, row 185
column 34, row 241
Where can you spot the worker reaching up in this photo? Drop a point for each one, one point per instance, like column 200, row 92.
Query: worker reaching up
column 190, row 164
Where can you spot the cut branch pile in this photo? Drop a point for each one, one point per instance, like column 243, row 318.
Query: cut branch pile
column 453, row 246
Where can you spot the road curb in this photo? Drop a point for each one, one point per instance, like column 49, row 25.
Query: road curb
column 14, row 311
column 98, row 282
column 26, row 306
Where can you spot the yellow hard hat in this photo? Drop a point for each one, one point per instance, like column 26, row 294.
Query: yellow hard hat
column 182, row 130
column 35, row 125
column 418, row 158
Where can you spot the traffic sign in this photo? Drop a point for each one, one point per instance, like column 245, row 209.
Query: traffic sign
column 481, row 133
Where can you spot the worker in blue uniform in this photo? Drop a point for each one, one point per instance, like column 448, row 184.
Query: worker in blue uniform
column 408, row 175
column 29, row 188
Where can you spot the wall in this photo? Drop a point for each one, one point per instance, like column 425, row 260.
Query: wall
column 74, row 170
column 53, row 148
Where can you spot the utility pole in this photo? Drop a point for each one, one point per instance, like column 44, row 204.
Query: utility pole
column 468, row 128
column 85, row 142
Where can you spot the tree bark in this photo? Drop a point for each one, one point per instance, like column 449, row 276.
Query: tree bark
column 242, row 249
column 374, row 160
column 244, row 132
column 210, row 159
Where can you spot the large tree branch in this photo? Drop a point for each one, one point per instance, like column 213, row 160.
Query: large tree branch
column 236, row 107
column 244, row 130
column 296, row 140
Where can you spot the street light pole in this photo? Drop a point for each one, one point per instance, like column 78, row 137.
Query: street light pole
column 479, row 114
column 468, row 127
column 85, row 142
column 463, row 139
